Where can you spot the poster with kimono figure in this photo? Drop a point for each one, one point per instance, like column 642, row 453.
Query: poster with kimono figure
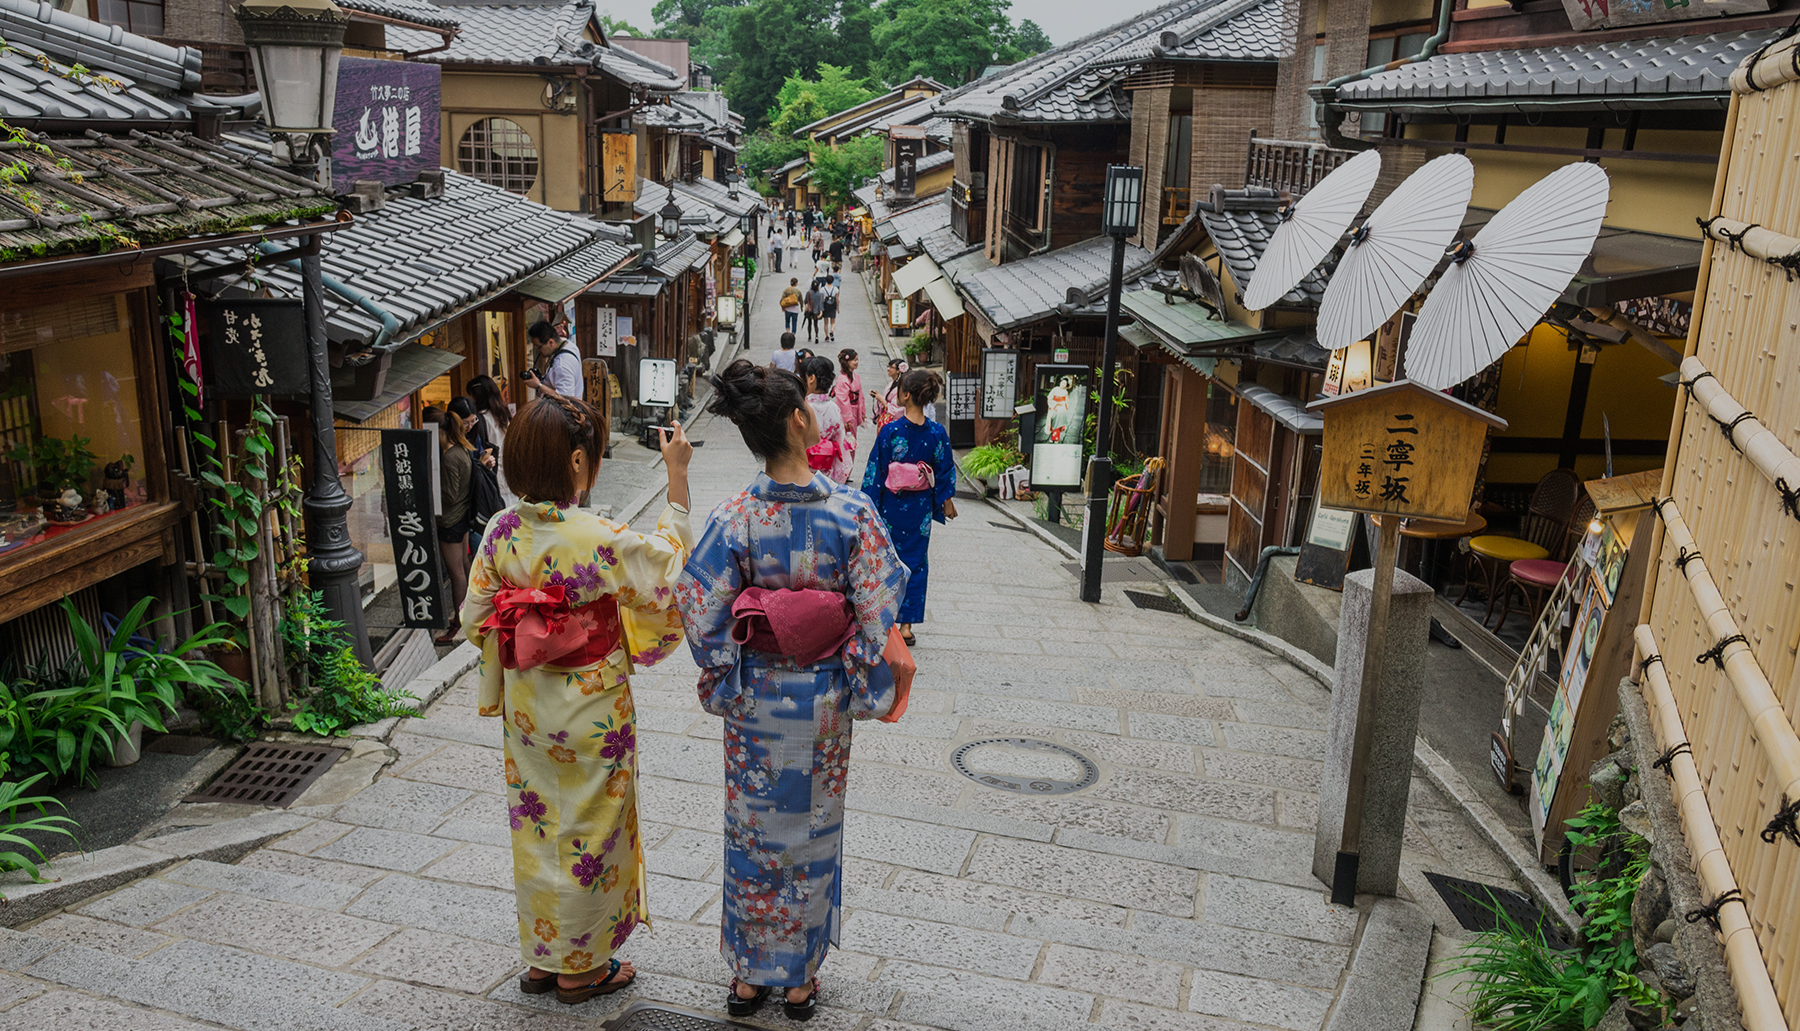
column 1062, row 409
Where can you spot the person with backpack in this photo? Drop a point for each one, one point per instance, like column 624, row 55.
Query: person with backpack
column 485, row 497
column 818, row 243
column 815, row 307
column 558, row 369
column 790, row 305
column 828, row 306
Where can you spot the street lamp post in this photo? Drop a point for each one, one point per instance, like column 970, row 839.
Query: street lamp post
column 1119, row 219
column 294, row 48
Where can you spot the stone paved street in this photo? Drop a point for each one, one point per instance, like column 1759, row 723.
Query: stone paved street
column 1174, row 893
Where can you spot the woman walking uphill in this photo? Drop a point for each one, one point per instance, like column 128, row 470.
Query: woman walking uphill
column 814, row 556
column 565, row 605
column 908, row 499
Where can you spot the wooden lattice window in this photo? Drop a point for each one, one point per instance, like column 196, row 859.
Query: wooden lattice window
column 499, row 151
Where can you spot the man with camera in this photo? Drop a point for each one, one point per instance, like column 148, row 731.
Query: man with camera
column 559, row 367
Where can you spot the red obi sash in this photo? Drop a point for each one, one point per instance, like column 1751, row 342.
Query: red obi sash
column 536, row 627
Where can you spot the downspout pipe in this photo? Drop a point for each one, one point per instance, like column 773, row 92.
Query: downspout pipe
column 1331, row 116
column 1262, row 569
column 389, row 324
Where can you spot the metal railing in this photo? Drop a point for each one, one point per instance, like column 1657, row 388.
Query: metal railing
column 1295, row 166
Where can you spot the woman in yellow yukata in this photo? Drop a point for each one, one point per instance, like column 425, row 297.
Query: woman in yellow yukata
column 565, row 605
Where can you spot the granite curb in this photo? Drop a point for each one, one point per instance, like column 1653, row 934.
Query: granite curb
column 428, row 686
column 81, row 877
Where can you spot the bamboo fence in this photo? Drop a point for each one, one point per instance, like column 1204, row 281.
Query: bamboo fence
column 1722, row 614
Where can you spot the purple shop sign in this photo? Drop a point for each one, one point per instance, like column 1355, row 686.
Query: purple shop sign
column 386, row 121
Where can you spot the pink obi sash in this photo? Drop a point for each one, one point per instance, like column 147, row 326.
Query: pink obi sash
column 807, row 625
column 536, row 627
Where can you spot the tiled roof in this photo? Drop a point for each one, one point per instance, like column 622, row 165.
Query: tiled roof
column 1034, row 288
column 427, row 260
column 628, row 286
column 135, row 60
column 943, row 244
column 937, row 129
column 1069, row 83
column 568, row 277
column 634, row 67
column 503, row 34
column 838, row 124
column 1237, row 30
column 924, row 164
column 677, row 256
column 94, row 204
column 696, row 213
column 1241, row 231
column 719, row 195
column 909, row 224
column 419, row 12
column 30, row 91
column 916, row 111
column 1604, row 70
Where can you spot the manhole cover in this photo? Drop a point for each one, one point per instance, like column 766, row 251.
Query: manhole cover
column 649, row 1016
column 270, row 773
column 1024, row 765
column 1159, row 602
column 1473, row 905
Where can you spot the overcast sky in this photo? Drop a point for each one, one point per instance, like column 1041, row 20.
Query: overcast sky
column 1063, row 20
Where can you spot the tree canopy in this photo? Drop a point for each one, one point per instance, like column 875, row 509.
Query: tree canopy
column 841, row 170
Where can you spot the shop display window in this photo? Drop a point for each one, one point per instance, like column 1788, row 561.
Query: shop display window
column 1221, row 428
column 71, row 444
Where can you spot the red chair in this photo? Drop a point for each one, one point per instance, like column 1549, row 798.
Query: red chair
column 1553, row 503
column 1534, row 579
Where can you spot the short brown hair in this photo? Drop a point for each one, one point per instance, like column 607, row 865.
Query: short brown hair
column 539, row 443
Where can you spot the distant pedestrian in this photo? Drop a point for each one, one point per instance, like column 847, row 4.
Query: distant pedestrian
column 790, row 305
column 837, row 248
column 785, row 357
column 806, row 219
column 790, row 221
column 815, row 307
column 496, row 414
column 776, row 244
column 456, row 457
column 787, row 712
column 887, row 404
column 796, row 244
column 565, row 606
column 828, row 307
column 818, row 244
column 847, row 389
column 908, row 499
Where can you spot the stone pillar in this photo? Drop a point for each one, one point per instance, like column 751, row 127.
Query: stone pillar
column 1395, row 724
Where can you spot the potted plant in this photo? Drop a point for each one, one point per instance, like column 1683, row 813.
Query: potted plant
column 60, row 465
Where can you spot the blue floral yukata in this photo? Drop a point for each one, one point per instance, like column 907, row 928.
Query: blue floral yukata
column 909, row 514
column 787, row 727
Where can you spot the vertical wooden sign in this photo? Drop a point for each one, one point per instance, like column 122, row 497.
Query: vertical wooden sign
column 618, row 167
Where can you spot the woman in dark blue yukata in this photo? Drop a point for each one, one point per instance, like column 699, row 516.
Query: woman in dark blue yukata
column 910, row 501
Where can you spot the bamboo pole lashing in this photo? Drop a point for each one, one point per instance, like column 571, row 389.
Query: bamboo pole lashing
column 1757, row 1003
column 1768, row 719
column 1752, row 238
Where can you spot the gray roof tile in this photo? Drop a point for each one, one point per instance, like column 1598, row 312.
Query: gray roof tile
column 528, row 33
column 29, row 91
column 1241, row 231
column 419, row 12
column 433, row 259
column 1698, row 65
column 910, row 224
column 696, row 212
column 1033, row 288
column 924, row 164
column 72, row 38
column 720, row 195
column 1239, row 30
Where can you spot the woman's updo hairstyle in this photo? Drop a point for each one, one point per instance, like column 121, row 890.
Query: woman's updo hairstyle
column 758, row 400
column 539, row 442
column 845, row 357
column 922, row 385
column 819, row 368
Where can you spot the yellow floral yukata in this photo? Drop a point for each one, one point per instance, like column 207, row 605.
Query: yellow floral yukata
column 571, row 733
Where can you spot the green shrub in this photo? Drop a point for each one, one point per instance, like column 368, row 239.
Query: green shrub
column 12, row 828
column 347, row 695
column 988, row 461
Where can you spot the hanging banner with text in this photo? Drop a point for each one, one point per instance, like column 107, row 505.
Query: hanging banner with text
column 408, row 465
column 256, row 346
column 386, row 119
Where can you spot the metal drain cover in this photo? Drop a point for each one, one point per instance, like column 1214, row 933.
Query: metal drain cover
column 1025, row 765
column 650, row 1016
column 1473, row 904
column 1159, row 602
column 270, row 773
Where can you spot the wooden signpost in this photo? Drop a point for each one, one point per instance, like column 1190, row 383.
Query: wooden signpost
column 1401, row 451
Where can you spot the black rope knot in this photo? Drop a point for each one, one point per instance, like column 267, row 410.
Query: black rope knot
column 1689, row 383
column 1730, row 428
column 1784, row 823
column 1790, row 498
column 1789, row 263
column 1716, row 654
column 1736, row 240
column 1706, row 224
column 1657, row 504
column 1667, row 762
column 1686, row 556
column 1648, row 659
column 1710, row 911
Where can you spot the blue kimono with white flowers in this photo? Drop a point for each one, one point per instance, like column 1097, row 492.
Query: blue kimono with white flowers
column 787, row 727
column 909, row 514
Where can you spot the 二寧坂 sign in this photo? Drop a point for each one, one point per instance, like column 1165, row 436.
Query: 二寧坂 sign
column 386, row 120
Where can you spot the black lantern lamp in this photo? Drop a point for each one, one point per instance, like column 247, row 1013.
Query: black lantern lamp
column 1119, row 219
column 670, row 216
column 294, row 47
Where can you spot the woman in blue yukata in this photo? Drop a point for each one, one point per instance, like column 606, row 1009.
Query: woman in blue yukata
column 788, row 600
column 908, row 498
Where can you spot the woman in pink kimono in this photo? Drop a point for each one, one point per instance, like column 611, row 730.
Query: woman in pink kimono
column 565, row 605
column 835, row 453
column 847, row 390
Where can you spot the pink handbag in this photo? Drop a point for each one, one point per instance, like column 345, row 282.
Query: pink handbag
column 822, row 455
column 910, row 476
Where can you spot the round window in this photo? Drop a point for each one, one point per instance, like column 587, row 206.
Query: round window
column 499, row 151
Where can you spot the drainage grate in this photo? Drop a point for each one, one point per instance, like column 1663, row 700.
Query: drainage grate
column 270, row 773
column 1021, row 779
column 1473, row 904
column 1159, row 602
column 650, row 1016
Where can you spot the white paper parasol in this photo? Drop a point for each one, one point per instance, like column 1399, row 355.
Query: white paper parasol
column 1500, row 283
column 1310, row 228
column 1392, row 252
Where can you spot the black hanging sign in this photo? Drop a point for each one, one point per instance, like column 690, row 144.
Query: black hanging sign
column 965, row 402
column 256, row 346
column 408, row 465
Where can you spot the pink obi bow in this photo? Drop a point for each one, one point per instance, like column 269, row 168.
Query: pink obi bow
column 807, row 625
column 536, row 627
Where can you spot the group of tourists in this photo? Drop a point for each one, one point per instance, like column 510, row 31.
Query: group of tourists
column 791, row 600
column 818, row 304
